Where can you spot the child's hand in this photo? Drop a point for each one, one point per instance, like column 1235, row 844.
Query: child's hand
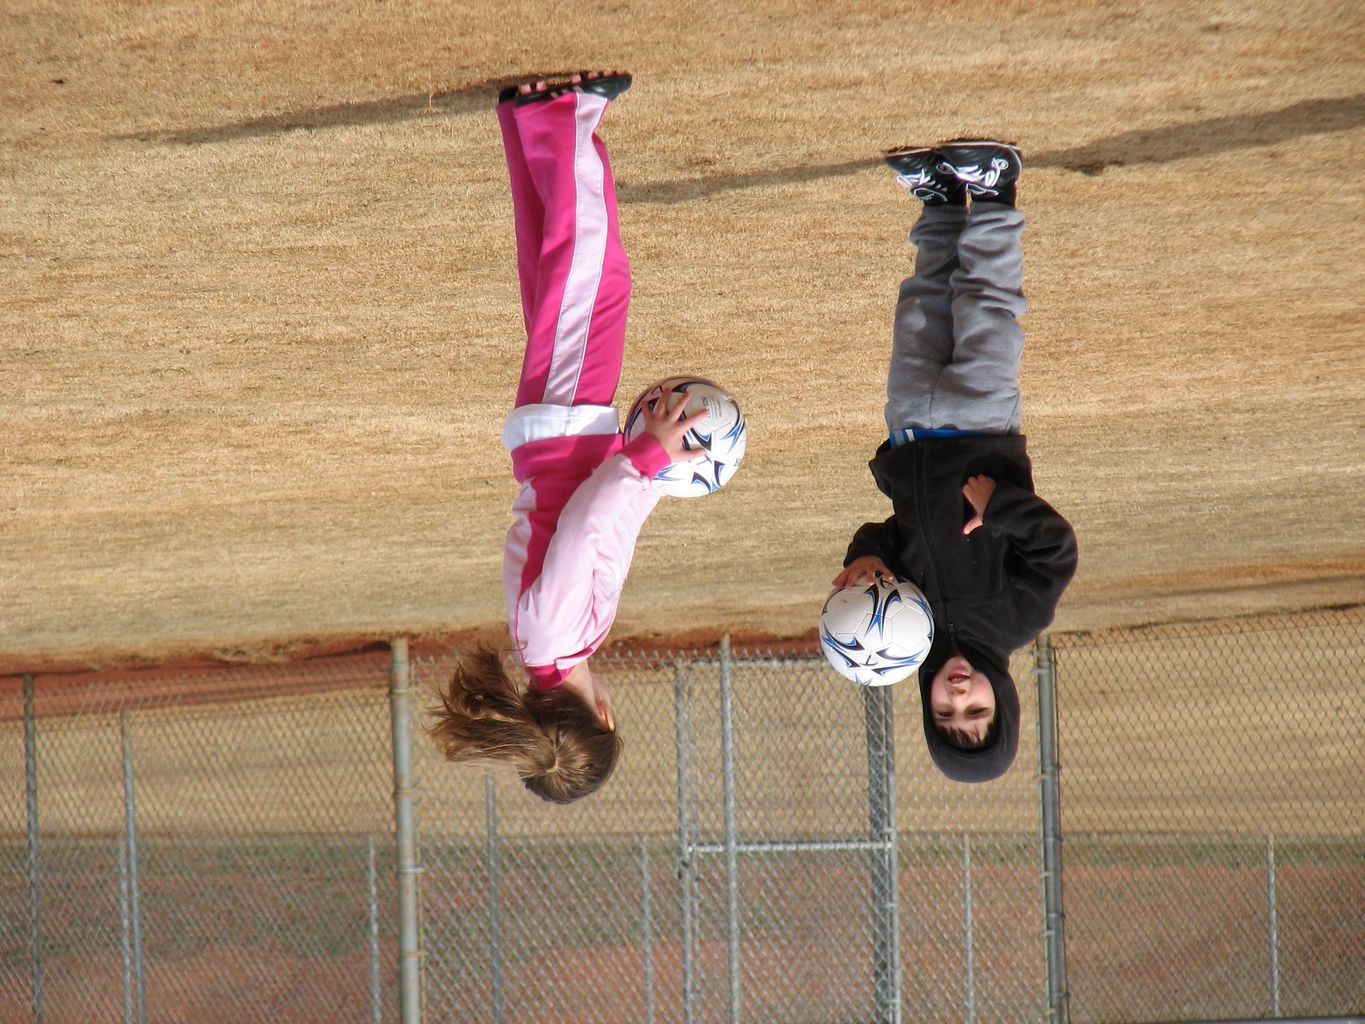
column 869, row 565
column 668, row 425
column 977, row 490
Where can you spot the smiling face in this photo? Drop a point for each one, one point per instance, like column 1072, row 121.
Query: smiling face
column 961, row 702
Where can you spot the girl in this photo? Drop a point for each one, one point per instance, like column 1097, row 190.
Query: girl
column 585, row 493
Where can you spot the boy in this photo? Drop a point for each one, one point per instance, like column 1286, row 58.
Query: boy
column 990, row 555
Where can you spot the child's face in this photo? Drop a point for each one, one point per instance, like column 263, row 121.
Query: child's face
column 961, row 699
column 583, row 681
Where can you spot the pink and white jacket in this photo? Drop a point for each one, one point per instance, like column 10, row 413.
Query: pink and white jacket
column 584, row 496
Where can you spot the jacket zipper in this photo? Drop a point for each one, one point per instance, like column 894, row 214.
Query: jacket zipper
column 918, row 479
column 924, row 531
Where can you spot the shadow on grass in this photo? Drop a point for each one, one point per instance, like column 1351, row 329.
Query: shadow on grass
column 1149, row 146
column 1209, row 136
column 1146, row 146
column 477, row 96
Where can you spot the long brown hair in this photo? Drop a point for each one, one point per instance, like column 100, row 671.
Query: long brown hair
column 556, row 743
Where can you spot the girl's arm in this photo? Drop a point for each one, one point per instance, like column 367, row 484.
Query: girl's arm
column 595, row 538
column 596, row 534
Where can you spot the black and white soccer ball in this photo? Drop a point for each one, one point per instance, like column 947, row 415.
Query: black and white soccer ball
column 877, row 634
column 722, row 435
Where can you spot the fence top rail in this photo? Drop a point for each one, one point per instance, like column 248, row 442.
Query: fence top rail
column 1270, row 622
column 667, row 658
column 141, row 689
column 71, row 693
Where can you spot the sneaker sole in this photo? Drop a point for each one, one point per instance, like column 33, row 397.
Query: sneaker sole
column 944, row 147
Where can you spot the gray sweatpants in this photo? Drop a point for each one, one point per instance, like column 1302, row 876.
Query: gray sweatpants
column 957, row 341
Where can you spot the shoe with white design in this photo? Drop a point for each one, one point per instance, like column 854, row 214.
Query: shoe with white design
column 986, row 167
column 916, row 168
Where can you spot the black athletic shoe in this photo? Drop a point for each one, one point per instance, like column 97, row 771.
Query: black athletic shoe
column 986, row 167
column 609, row 86
column 917, row 168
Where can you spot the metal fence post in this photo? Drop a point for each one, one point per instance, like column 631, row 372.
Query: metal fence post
column 409, row 937
column 646, row 930
column 727, row 750
column 1273, row 924
column 35, row 892
column 371, row 888
column 968, row 937
column 490, row 811
column 686, row 865
column 134, row 894
column 1049, row 769
column 881, row 819
column 125, row 932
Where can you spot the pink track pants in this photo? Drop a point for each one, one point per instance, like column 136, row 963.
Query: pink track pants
column 575, row 278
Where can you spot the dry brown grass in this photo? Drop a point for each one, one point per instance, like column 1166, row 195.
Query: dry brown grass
column 260, row 325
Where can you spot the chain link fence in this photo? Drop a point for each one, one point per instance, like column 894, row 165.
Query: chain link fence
column 199, row 848
column 775, row 846
column 748, row 861
column 1213, row 807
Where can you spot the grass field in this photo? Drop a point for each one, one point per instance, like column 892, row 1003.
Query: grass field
column 260, row 325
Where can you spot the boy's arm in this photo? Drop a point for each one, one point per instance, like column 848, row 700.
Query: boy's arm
column 880, row 540
column 1044, row 542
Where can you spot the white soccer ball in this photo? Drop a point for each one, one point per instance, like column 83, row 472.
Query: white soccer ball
column 722, row 435
column 878, row 633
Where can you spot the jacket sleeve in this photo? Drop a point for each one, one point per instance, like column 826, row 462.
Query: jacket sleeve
column 596, row 532
column 880, row 539
column 1044, row 546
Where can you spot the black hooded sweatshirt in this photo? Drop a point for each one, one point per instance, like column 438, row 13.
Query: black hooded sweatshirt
column 992, row 591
